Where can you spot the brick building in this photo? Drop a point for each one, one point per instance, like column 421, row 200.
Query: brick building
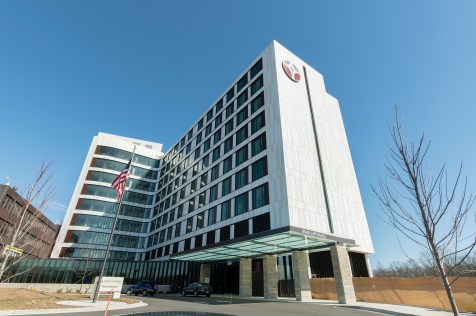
column 36, row 235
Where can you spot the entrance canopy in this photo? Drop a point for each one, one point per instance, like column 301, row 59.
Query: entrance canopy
column 276, row 241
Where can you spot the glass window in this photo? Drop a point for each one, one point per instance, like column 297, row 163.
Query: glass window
column 198, row 139
column 209, row 115
column 230, row 94
column 242, row 82
column 169, row 233
column 259, row 169
column 256, row 69
column 182, row 142
column 213, row 193
column 227, row 145
column 122, row 154
column 241, row 178
column 257, row 123
column 241, row 135
column 226, row 186
column 229, row 110
column 257, row 103
column 208, row 129
column 258, row 144
column 260, row 196
column 129, row 196
column 219, row 106
column 242, row 229
column 241, row 204
column 200, row 220
column 214, row 173
column 189, row 148
column 196, row 155
column 119, row 166
column 201, row 199
column 227, row 164
column 107, row 207
column 241, row 155
column 241, row 116
column 189, row 225
column 131, row 183
column 242, row 99
column 229, row 126
column 205, row 162
column 216, row 154
column 225, row 233
column 193, row 186
column 225, row 210
column 212, row 216
column 195, row 170
column 191, row 205
column 177, row 229
column 256, row 85
column 206, row 145
column 186, row 162
column 180, row 211
column 217, row 137
column 218, row 120
column 203, row 180
column 200, row 124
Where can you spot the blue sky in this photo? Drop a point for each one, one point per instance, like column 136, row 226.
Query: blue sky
column 148, row 69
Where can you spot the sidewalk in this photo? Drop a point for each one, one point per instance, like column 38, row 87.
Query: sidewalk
column 399, row 310
column 387, row 309
column 80, row 306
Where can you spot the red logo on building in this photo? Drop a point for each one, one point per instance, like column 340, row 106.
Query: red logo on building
column 291, row 70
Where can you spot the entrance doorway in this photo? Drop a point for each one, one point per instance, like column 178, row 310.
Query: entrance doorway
column 224, row 277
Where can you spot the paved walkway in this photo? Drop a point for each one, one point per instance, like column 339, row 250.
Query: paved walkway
column 80, row 306
column 386, row 309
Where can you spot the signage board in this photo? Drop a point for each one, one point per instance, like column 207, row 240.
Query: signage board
column 109, row 284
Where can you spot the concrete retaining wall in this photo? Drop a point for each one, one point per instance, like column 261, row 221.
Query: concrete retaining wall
column 55, row 287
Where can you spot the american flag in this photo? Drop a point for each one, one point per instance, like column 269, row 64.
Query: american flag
column 120, row 182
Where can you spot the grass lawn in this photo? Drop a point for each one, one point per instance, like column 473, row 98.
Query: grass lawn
column 27, row 299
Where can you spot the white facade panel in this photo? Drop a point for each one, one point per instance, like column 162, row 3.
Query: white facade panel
column 307, row 206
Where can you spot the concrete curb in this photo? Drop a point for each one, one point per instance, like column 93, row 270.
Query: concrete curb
column 86, row 307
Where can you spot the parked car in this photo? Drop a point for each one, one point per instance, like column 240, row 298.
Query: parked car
column 197, row 289
column 143, row 287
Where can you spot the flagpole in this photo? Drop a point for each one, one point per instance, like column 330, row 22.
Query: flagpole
column 96, row 291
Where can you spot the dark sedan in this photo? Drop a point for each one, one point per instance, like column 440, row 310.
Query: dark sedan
column 144, row 288
column 197, row 289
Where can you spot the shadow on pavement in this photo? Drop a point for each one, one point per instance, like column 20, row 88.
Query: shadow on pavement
column 212, row 300
column 175, row 313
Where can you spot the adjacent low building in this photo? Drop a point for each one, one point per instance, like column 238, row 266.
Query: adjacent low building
column 35, row 233
column 261, row 190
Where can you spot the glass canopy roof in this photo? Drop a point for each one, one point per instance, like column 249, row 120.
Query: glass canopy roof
column 277, row 243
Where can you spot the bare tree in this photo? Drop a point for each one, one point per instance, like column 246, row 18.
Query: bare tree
column 84, row 271
column 412, row 268
column 425, row 207
column 26, row 233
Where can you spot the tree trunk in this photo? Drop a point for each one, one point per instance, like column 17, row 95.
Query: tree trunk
column 447, row 285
